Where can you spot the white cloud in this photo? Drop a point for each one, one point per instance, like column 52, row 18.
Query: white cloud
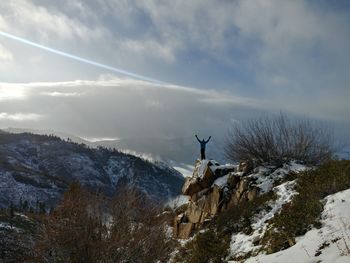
column 5, row 54
column 19, row 116
column 99, row 139
column 35, row 21
column 125, row 108
column 10, row 91
column 61, row 94
column 150, row 49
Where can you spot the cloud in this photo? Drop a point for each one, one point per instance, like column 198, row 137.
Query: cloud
column 244, row 56
column 19, row 116
column 9, row 91
column 36, row 21
column 5, row 54
column 149, row 48
column 99, row 139
column 60, row 94
column 126, row 108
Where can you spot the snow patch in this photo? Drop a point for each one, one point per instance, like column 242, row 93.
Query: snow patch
column 178, row 201
column 242, row 244
column 328, row 244
column 221, row 181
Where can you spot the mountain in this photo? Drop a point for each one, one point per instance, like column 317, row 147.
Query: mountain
column 39, row 168
column 180, row 152
column 174, row 151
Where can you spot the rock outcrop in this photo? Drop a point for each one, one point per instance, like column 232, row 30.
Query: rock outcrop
column 212, row 189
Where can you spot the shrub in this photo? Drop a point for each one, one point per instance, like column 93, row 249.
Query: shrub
column 208, row 246
column 87, row 227
column 279, row 139
column 238, row 218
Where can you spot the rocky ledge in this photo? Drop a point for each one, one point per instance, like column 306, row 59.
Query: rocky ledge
column 211, row 189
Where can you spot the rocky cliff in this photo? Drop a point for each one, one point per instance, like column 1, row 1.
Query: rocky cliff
column 211, row 189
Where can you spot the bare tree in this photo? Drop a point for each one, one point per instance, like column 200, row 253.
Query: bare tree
column 87, row 227
column 278, row 139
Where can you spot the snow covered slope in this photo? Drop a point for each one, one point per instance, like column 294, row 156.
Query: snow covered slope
column 330, row 243
column 39, row 168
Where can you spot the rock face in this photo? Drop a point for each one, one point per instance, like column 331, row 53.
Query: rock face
column 212, row 189
column 245, row 166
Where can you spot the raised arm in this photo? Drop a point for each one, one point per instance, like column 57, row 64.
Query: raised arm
column 197, row 138
column 208, row 139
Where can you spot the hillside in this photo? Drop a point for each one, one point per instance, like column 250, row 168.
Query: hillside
column 38, row 168
column 291, row 213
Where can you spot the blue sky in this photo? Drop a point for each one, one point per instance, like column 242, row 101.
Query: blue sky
column 242, row 56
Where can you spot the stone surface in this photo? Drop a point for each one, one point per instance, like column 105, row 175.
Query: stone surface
column 252, row 194
column 208, row 200
column 195, row 210
column 198, row 195
column 208, row 178
column 242, row 186
column 191, row 186
column 184, row 230
column 214, row 200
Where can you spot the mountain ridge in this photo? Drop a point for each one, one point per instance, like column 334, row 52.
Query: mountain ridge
column 40, row 167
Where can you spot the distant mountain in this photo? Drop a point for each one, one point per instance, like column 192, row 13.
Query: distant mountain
column 40, row 167
column 181, row 150
column 178, row 152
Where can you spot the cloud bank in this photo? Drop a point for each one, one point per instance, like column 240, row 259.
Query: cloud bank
column 242, row 57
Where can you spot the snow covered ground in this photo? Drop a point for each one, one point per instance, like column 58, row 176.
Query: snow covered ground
column 331, row 243
column 242, row 244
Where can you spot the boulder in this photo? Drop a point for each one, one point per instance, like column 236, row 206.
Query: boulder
column 252, row 193
column 177, row 220
column 184, row 230
column 208, row 178
column 215, row 200
column 191, row 186
column 242, row 186
column 195, row 210
column 206, row 210
column 198, row 195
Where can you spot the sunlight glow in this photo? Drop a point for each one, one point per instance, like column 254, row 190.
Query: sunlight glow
column 11, row 92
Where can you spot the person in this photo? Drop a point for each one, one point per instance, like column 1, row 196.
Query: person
column 203, row 143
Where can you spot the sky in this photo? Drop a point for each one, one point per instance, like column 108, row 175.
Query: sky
column 187, row 67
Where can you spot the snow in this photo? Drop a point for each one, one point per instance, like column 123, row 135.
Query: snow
column 8, row 226
column 334, row 236
column 213, row 165
column 285, row 193
column 185, row 169
column 241, row 243
column 221, row 181
column 201, row 168
column 178, row 201
column 266, row 175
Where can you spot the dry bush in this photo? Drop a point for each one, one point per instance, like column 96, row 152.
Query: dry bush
column 89, row 227
column 278, row 139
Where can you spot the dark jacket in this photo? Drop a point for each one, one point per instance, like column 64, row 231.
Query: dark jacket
column 203, row 142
